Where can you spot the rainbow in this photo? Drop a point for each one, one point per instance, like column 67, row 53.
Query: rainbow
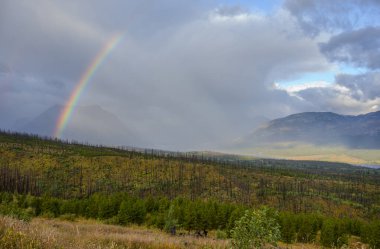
column 69, row 106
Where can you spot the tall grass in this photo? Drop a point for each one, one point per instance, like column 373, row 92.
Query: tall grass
column 57, row 234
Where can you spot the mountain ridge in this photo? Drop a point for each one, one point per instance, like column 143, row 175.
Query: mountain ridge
column 320, row 128
column 91, row 124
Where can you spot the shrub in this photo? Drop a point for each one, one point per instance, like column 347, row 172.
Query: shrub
column 255, row 229
column 17, row 213
column 333, row 234
column 171, row 222
column 132, row 211
column 288, row 231
column 220, row 234
column 371, row 234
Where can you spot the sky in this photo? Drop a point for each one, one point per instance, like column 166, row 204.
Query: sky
column 188, row 74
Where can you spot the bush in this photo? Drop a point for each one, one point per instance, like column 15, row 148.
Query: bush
column 255, row 229
column 132, row 211
column 371, row 234
column 171, row 223
column 288, row 230
column 17, row 213
column 308, row 229
column 333, row 233
column 220, row 234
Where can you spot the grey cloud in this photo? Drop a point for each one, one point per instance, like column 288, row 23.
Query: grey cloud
column 5, row 69
column 206, row 74
column 362, row 87
column 143, row 18
column 333, row 100
column 334, row 16
column 350, row 94
column 360, row 47
column 40, row 38
column 184, row 80
column 231, row 10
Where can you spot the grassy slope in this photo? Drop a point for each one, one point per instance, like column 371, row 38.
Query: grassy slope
column 90, row 234
column 43, row 233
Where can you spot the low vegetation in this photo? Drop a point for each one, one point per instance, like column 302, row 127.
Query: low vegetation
column 42, row 233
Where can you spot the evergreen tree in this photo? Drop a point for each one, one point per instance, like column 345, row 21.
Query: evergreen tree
column 288, row 230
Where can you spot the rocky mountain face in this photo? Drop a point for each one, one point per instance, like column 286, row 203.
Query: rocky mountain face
column 320, row 128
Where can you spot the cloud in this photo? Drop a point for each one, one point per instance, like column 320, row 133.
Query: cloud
column 316, row 17
column 349, row 31
column 234, row 13
column 188, row 74
column 300, row 87
column 350, row 94
column 362, row 87
column 359, row 47
column 206, row 78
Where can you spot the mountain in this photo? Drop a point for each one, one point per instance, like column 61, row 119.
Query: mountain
column 91, row 124
column 320, row 128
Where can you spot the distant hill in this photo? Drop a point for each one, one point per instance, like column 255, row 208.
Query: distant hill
column 91, row 124
column 320, row 128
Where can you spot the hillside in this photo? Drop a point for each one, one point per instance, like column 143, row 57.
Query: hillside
column 320, row 128
column 197, row 192
column 40, row 167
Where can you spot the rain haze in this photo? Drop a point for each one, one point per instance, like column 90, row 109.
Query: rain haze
column 185, row 75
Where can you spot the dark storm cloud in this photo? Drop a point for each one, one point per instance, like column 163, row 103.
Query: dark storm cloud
column 350, row 31
column 361, row 87
column 334, row 16
column 359, row 47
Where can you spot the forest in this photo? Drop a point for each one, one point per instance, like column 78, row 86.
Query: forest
column 195, row 192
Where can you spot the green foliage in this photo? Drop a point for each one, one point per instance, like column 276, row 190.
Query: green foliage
column 220, row 234
column 255, row 229
column 197, row 216
column 371, row 234
column 17, row 213
column 131, row 211
column 287, row 227
column 308, row 226
column 171, row 222
column 50, row 206
column 333, row 233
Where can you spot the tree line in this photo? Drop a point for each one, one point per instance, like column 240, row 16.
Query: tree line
column 196, row 217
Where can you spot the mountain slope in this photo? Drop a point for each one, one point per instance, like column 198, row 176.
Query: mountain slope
column 320, row 128
column 88, row 123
